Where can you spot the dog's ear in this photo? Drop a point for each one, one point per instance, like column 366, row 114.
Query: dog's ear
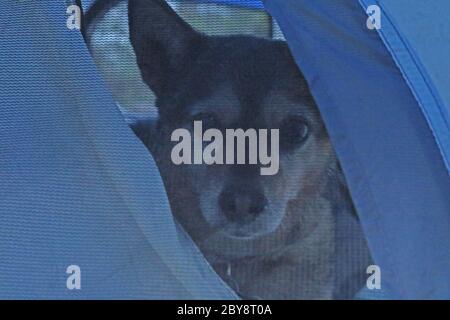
column 162, row 41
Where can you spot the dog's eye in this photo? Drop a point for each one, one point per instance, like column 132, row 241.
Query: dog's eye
column 293, row 132
column 209, row 120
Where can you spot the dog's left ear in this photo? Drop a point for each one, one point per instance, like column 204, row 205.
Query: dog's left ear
column 162, row 41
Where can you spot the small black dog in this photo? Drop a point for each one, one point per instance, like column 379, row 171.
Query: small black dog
column 266, row 236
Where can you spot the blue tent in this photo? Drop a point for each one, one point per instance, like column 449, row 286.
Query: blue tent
column 385, row 99
column 77, row 187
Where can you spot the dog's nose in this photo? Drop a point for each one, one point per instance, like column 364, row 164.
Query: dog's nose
column 242, row 205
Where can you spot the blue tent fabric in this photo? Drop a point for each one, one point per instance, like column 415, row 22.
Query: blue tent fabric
column 76, row 186
column 393, row 163
column 421, row 51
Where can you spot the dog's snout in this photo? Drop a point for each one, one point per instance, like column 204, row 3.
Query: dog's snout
column 241, row 205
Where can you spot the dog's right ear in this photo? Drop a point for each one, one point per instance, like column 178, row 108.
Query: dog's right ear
column 162, row 41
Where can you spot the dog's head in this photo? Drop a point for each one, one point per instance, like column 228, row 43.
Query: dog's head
column 228, row 83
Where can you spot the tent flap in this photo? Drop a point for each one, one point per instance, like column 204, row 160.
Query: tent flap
column 395, row 171
column 421, row 50
column 71, row 194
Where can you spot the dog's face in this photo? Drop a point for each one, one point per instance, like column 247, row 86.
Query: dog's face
column 232, row 210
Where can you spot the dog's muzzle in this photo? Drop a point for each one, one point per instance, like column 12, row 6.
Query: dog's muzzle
column 241, row 205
